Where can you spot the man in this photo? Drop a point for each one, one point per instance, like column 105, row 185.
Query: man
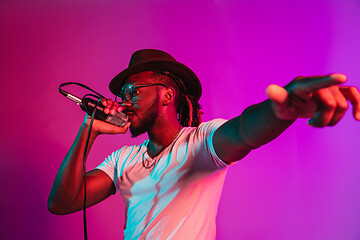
column 171, row 183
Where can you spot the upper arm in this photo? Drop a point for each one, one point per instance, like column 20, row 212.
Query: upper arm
column 99, row 186
column 228, row 142
column 256, row 126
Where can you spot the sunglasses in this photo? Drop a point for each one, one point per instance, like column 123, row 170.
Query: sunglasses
column 128, row 91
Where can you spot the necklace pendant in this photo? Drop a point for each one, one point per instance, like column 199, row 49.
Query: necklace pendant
column 148, row 164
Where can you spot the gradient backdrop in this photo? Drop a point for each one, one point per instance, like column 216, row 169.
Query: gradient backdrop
column 303, row 185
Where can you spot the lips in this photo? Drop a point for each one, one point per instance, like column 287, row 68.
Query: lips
column 129, row 112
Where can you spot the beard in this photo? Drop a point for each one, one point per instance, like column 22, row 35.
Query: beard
column 146, row 121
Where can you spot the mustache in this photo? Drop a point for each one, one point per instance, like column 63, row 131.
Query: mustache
column 128, row 111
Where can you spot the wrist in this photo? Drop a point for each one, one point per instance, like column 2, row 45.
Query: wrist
column 84, row 128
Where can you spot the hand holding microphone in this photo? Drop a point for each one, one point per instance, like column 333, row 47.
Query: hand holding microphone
column 109, row 118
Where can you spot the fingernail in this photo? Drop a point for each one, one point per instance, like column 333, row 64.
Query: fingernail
column 340, row 76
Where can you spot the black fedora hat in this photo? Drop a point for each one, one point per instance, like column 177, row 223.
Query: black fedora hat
column 157, row 60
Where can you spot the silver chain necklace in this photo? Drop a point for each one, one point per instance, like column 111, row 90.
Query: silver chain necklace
column 150, row 163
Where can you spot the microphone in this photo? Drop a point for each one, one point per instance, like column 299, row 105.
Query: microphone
column 89, row 105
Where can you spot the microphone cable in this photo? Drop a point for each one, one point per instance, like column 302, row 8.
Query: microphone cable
column 91, row 112
column 78, row 84
column 84, row 169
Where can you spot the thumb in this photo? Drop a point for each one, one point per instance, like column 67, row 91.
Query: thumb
column 278, row 95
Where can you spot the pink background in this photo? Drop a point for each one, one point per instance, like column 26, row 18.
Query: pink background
column 303, row 185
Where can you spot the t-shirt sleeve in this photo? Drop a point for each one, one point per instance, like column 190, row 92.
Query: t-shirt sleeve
column 208, row 129
column 110, row 167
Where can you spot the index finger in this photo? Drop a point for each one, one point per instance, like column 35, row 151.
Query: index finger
column 103, row 101
column 311, row 84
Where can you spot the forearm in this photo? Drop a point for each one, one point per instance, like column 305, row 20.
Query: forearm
column 258, row 125
column 69, row 178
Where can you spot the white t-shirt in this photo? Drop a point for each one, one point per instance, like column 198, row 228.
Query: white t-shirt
column 176, row 194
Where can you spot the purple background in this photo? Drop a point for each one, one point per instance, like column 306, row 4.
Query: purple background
column 303, row 185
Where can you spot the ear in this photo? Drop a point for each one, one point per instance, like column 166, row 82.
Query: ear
column 168, row 97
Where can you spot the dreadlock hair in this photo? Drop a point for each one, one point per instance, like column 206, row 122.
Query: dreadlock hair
column 187, row 106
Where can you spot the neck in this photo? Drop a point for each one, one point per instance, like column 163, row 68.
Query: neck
column 161, row 136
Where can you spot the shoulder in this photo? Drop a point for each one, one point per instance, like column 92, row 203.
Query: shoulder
column 210, row 126
column 215, row 122
column 204, row 130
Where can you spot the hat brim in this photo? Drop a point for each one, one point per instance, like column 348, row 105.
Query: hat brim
column 188, row 77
